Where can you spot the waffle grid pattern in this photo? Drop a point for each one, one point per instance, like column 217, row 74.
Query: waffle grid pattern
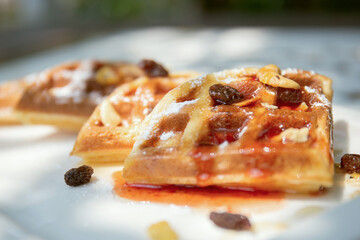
column 236, row 145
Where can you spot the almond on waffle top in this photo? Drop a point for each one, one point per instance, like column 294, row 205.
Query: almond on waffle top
column 263, row 129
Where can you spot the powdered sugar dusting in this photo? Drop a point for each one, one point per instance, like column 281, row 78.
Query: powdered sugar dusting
column 196, row 82
column 230, row 79
column 76, row 89
column 176, row 107
column 221, row 75
column 167, row 135
column 37, row 78
column 323, row 101
column 290, row 71
column 146, row 98
column 294, row 71
column 96, row 97
column 222, row 146
column 229, row 76
column 173, row 108
column 31, row 78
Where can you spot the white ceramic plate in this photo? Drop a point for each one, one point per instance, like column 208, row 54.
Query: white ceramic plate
column 35, row 203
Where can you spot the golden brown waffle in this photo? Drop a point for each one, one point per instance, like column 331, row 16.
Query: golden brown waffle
column 111, row 131
column 276, row 135
column 66, row 95
column 10, row 94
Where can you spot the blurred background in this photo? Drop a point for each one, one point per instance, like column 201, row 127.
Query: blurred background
column 203, row 35
column 28, row 26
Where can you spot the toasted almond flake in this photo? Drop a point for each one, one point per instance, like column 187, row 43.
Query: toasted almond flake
column 266, row 105
column 161, row 231
column 303, row 107
column 270, row 75
column 106, row 76
column 108, row 114
column 293, row 135
column 247, row 102
column 130, row 70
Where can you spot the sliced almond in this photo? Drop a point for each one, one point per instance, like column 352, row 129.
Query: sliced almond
column 247, row 101
column 270, row 75
column 302, row 107
column 108, row 114
column 293, row 135
column 131, row 71
column 106, row 76
column 269, row 106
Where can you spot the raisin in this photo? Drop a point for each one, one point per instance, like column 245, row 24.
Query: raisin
column 153, row 69
column 78, row 176
column 225, row 95
column 351, row 163
column 230, row 221
column 287, row 95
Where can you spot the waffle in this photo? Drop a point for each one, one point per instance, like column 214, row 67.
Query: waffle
column 67, row 94
column 111, row 131
column 262, row 129
column 10, row 94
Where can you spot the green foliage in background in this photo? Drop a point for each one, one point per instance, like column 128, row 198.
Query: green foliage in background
column 127, row 9
column 259, row 6
column 123, row 9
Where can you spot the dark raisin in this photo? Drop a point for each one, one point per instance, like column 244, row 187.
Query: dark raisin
column 226, row 95
column 230, row 221
column 350, row 163
column 153, row 69
column 78, row 176
column 287, row 95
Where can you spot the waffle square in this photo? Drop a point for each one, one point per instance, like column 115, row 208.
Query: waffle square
column 262, row 129
column 67, row 94
column 111, row 131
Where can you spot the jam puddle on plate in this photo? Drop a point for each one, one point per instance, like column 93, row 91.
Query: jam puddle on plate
column 232, row 200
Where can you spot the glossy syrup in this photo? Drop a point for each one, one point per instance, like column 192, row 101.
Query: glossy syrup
column 213, row 197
